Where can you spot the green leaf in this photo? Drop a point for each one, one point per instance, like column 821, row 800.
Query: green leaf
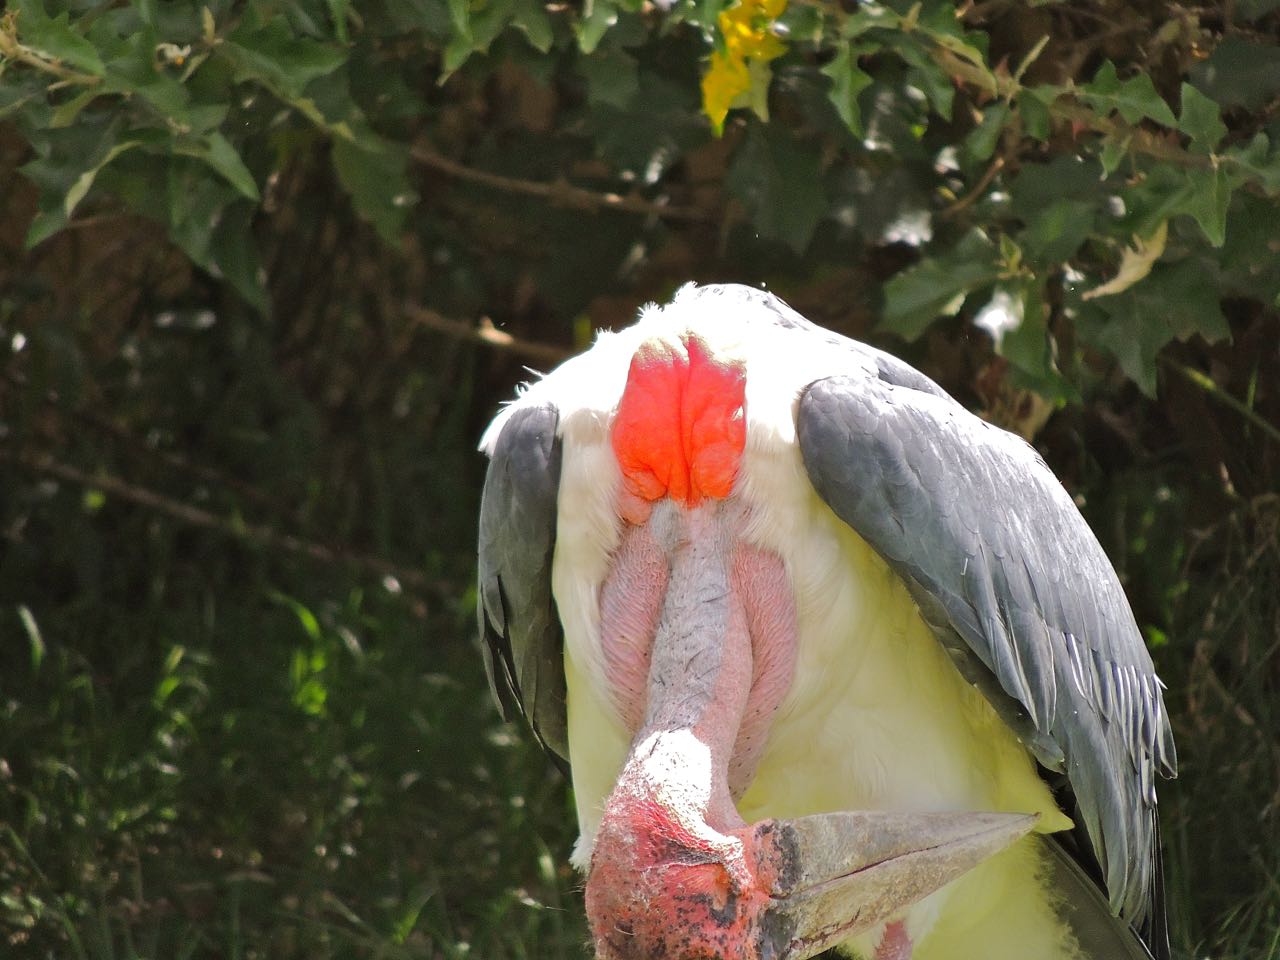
column 597, row 17
column 612, row 77
column 1056, row 231
column 132, row 72
column 869, row 17
column 1240, row 73
column 54, row 38
column 307, row 619
column 194, row 205
column 1201, row 119
column 1027, row 346
column 460, row 15
column 1177, row 301
column 1135, row 99
column 1033, row 108
column 82, row 184
column 65, row 113
column 35, row 639
column 530, row 18
column 25, row 96
column 981, row 142
column 480, row 25
column 432, row 17
column 234, row 254
column 211, row 223
column 1256, row 161
column 938, row 284
column 1036, row 186
column 779, row 180
column 1250, row 258
column 1202, row 193
column 1114, row 150
column 217, row 151
column 377, row 184
column 924, row 72
column 339, row 11
column 272, row 55
column 848, row 80
column 69, row 161
column 1208, row 197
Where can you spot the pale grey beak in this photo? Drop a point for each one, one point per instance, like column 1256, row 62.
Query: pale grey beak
column 834, row 875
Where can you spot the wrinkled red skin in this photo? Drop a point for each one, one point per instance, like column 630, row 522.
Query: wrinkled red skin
column 680, row 428
column 659, row 891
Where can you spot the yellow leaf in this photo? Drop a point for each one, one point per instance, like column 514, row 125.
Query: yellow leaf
column 1135, row 263
column 738, row 75
column 723, row 82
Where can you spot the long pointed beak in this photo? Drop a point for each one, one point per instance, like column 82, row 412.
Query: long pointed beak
column 834, row 875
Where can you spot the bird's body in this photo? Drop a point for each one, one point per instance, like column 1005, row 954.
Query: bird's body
column 849, row 701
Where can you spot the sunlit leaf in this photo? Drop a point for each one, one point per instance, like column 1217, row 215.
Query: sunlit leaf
column 935, row 286
column 1209, row 195
column 848, row 80
column 1135, row 99
column 34, row 638
column 1135, row 263
column 1176, row 302
column 54, row 37
column 1201, row 119
column 272, row 54
column 1056, row 231
column 217, row 151
column 1256, row 160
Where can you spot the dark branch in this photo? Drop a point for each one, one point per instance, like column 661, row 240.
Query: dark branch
column 560, row 192
column 485, row 332
column 258, row 534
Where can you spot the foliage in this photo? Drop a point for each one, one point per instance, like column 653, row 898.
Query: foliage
column 209, row 100
column 268, row 267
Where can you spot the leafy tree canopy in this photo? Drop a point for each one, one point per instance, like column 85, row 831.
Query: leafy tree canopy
column 1072, row 161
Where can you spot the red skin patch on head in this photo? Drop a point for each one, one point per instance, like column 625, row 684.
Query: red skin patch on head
column 680, row 428
column 659, row 889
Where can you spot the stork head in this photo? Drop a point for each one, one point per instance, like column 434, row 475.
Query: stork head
column 698, row 640
column 775, row 890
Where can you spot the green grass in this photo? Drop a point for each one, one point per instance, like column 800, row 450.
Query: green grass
column 273, row 782
column 1222, row 815
column 250, row 762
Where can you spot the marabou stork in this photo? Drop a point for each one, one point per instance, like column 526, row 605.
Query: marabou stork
column 833, row 661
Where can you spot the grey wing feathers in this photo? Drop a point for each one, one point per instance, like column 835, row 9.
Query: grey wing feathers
column 519, row 624
column 997, row 555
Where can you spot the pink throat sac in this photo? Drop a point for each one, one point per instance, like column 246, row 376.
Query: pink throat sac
column 697, row 627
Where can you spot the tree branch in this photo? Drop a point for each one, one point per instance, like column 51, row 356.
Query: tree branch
column 257, row 534
column 559, row 192
column 1217, row 393
column 485, row 332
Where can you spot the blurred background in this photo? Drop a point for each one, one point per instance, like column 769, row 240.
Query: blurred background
column 267, row 268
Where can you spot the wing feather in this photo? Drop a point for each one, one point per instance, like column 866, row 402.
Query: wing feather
column 517, row 614
column 987, row 539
